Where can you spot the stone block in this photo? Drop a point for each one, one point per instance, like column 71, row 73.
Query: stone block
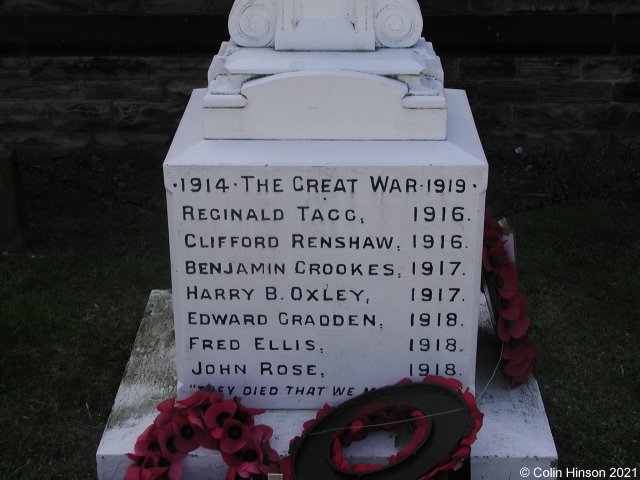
column 628, row 33
column 607, row 116
column 488, row 6
column 575, row 92
column 181, row 7
column 47, row 144
column 548, row 115
column 614, row 6
column 131, row 145
column 627, row 91
column 84, row 116
column 117, row 6
column 38, row 90
column 472, row 68
column 146, row 116
column 508, row 91
column 577, row 142
column 503, row 144
column 24, row 116
column 180, row 90
column 566, row 68
column 94, row 67
column 607, row 68
column 633, row 117
column 444, row 6
column 628, row 139
column 14, row 67
column 635, row 71
column 556, row 6
column 51, row 6
column 188, row 68
column 118, row 89
column 500, row 115
column 515, row 433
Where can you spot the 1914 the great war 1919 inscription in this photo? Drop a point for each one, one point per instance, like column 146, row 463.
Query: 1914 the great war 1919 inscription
column 304, row 284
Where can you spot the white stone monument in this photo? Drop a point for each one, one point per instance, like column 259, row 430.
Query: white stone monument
column 326, row 201
column 310, row 240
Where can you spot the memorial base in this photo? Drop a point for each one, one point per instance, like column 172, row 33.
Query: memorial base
column 515, row 434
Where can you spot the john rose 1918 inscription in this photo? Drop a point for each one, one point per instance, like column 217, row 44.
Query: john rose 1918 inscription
column 298, row 285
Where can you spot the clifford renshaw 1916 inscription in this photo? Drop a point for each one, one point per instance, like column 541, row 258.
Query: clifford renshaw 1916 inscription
column 295, row 285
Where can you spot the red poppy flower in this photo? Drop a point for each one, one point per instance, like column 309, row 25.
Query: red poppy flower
column 366, row 467
column 217, row 415
column 261, row 435
column 235, row 435
column 148, row 442
column 247, row 459
column 153, row 467
column 509, row 330
column 374, row 413
column 167, row 441
column 195, row 414
column 519, row 328
column 234, row 474
column 520, row 357
column 494, row 256
column 506, row 280
column 285, row 468
column 492, row 230
column 326, row 408
column 512, row 308
column 186, row 435
column 201, row 398
column 244, row 414
column 168, row 411
column 135, row 472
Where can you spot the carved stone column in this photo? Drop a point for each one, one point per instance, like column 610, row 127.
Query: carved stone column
column 338, row 25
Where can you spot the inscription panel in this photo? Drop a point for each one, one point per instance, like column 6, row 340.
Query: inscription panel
column 300, row 285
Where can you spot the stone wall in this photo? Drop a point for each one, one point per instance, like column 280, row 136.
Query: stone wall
column 554, row 84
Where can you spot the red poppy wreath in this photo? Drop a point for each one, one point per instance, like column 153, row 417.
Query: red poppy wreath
column 207, row 420
column 509, row 306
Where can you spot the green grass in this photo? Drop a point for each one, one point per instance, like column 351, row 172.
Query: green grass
column 70, row 309
column 69, row 312
column 578, row 266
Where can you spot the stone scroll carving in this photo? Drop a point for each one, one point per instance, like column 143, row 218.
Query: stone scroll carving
column 398, row 23
column 252, row 23
column 332, row 25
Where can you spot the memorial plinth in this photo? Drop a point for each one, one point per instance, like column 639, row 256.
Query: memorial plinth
column 297, row 265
